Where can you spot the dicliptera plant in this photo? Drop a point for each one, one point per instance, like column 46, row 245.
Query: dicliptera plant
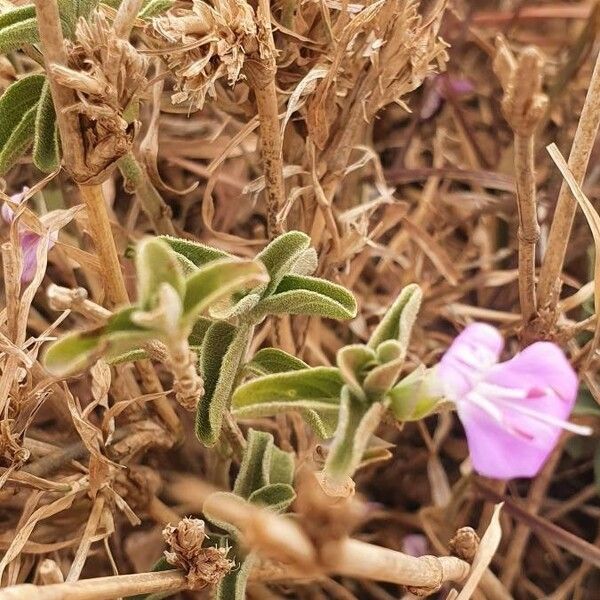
column 202, row 302
column 347, row 402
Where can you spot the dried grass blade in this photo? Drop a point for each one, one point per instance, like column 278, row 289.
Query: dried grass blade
column 593, row 220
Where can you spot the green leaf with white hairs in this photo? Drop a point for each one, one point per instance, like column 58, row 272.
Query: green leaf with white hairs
column 153, row 8
column 198, row 254
column 18, row 142
column 222, row 351
column 418, row 395
column 281, row 255
column 304, row 295
column 16, row 15
column 275, row 496
column 321, row 384
column 220, row 280
column 46, row 147
column 353, row 362
column 16, row 101
column 255, row 469
column 157, row 264
column 321, row 417
column 398, row 322
column 18, row 34
column 272, row 360
column 357, row 422
column 379, row 380
column 75, row 352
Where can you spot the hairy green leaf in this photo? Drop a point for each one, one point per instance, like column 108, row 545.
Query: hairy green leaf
column 321, row 384
column 280, row 256
column 152, row 8
column 399, row 319
column 353, row 362
column 156, row 263
column 219, row 280
column 222, row 351
column 198, row 254
column 19, row 140
column 255, row 469
column 18, row 34
column 356, row 424
column 276, row 496
column 304, row 295
column 46, row 147
column 272, row 360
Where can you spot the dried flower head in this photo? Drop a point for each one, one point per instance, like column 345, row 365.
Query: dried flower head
column 108, row 75
column 206, row 43
column 204, row 566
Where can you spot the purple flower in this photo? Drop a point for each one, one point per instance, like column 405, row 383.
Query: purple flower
column 28, row 240
column 512, row 412
column 438, row 92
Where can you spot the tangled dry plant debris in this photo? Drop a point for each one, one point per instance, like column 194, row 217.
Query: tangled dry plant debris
column 407, row 139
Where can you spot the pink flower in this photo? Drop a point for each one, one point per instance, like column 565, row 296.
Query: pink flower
column 28, row 239
column 438, row 93
column 512, row 412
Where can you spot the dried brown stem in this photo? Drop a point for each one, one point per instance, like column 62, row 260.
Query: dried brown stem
column 529, row 229
column 560, row 232
column 105, row 244
column 261, row 77
column 126, row 15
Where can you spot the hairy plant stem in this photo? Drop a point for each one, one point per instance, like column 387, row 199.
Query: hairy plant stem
column 126, row 15
column 150, row 200
column 562, row 223
column 106, row 249
column 261, row 78
column 529, row 229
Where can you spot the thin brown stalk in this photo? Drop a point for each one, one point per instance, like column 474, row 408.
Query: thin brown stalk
column 261, row 77
column 529, row 230
column 105, row 244
column 101, row 588
column 562, row 223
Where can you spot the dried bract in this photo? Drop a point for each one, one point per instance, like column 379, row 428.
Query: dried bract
column 204, row 566
column 204, row 44
column 108, row 75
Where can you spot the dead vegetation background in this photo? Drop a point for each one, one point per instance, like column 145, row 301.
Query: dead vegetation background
column 421, row 190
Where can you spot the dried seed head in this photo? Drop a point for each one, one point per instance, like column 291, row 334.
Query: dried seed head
column 108, row 75
column 204, row 566
column 524, row 104
column 204, row 44
column 465, row 544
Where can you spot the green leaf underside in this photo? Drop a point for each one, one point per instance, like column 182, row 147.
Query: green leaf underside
column 218, row 280
column 272, row 360
column 318, row 384
column 156, row 263
column 46, row 150
column 222, row 350
column 280, row 256
column 320, row 416
column 198, row 254
column 395, row 324
column 18, row 142
column 357, row 422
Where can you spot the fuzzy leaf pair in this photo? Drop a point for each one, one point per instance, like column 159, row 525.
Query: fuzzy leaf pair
column 169, row 305
column 264, row 479
column 290, row 290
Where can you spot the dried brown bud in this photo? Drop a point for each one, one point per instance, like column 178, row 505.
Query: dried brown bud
column 204, row 566
column 465, row 544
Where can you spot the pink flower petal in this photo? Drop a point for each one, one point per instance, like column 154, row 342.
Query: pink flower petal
column 520, row 444
column 473, row 352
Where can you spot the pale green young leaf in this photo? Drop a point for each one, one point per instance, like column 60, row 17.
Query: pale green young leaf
column 222, row 351
column 156, row 263
column 255, row 469
column 46, row 147
column 354, row 362
column 198, row 254
column 399, row 319
column 153, row 8
column 281, row 469
column 275, row 496
column 272, row 360
column 356, row 424
column 220, row 280
column 280, row 256
column 416, row 396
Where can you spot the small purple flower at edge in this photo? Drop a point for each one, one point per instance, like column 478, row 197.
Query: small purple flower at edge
column 28, row 240
column 512, row 412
